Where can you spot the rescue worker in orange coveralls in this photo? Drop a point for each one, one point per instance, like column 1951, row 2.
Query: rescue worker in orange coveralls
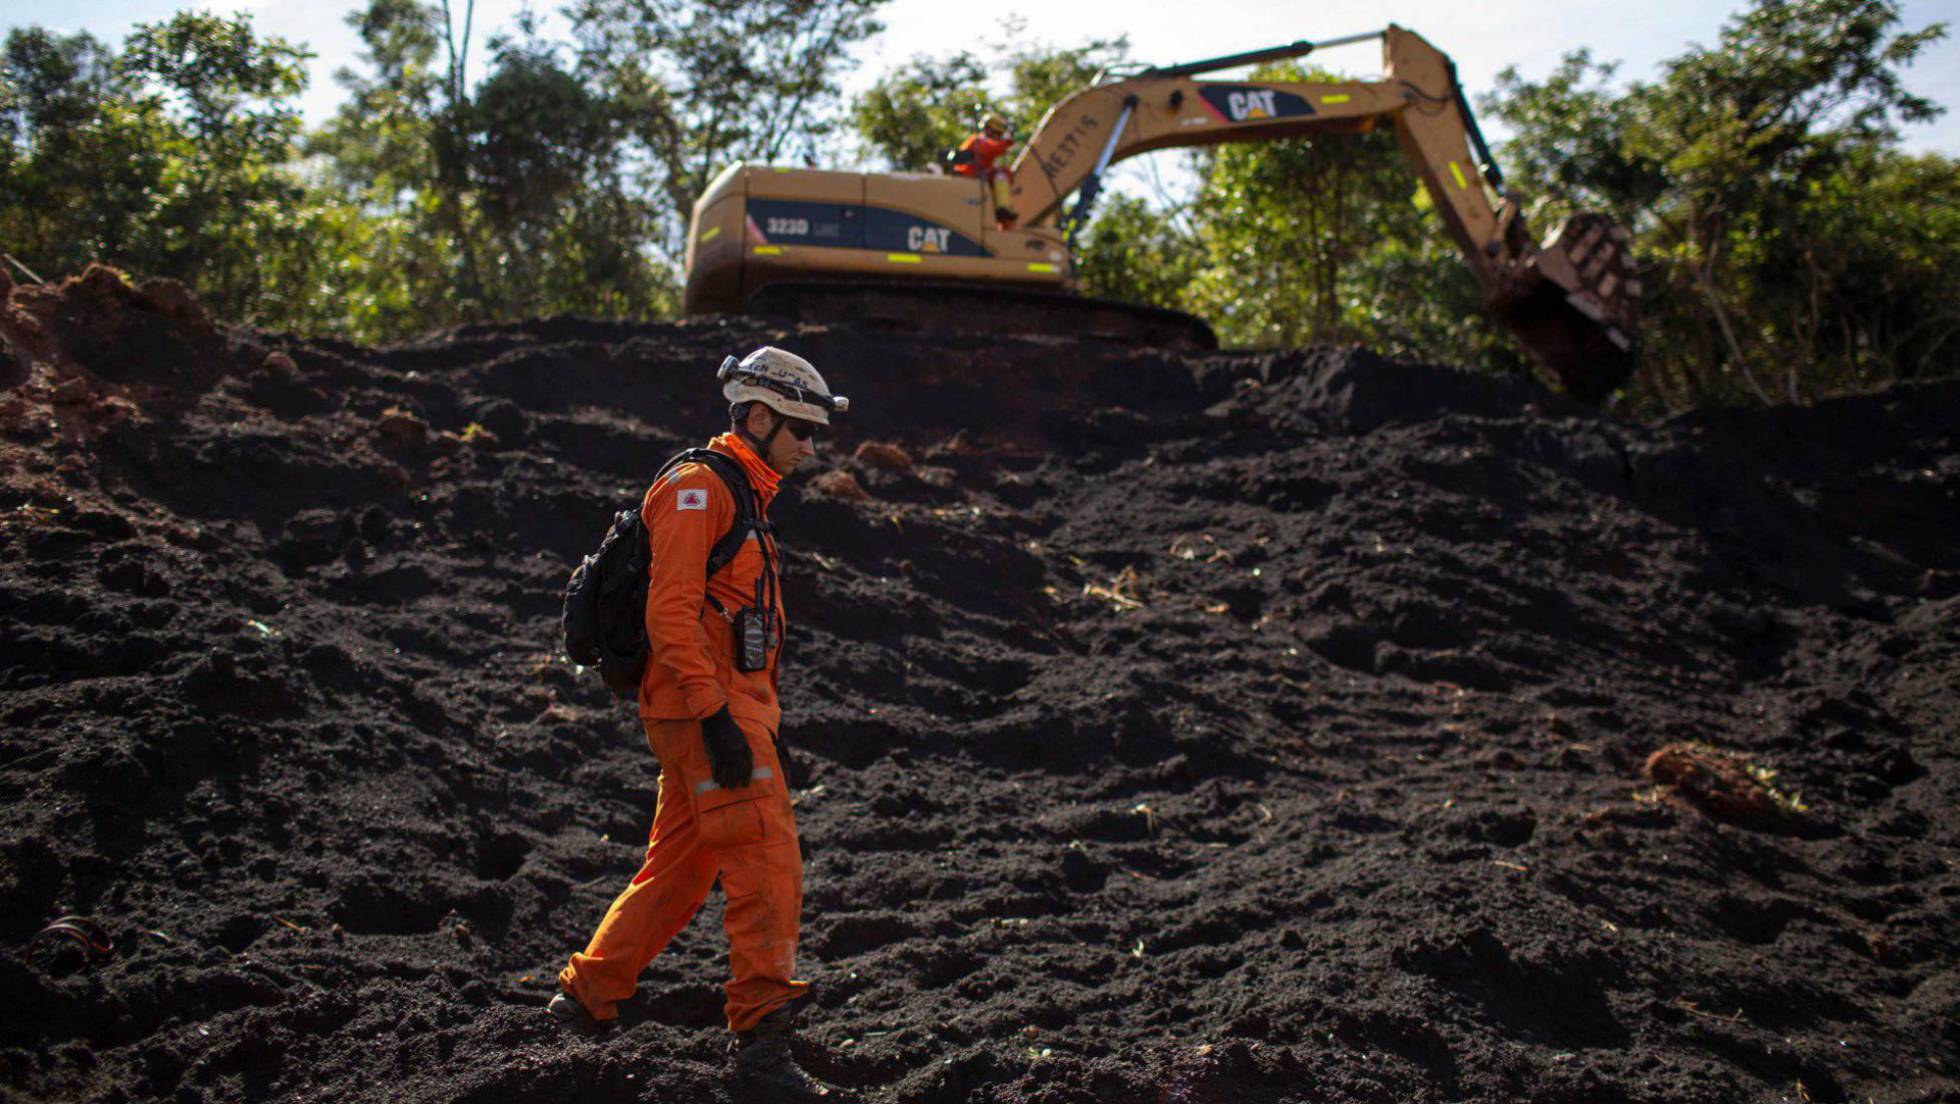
column 724, row 803
column 976, row 157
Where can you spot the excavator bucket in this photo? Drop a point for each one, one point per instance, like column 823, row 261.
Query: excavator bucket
column 1575, row 306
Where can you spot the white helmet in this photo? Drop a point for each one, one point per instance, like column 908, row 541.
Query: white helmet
column 782, row 381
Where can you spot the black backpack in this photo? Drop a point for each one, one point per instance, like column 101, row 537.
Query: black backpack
column 606, row 600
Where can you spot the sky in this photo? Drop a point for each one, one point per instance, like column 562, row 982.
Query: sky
column 1482, row 37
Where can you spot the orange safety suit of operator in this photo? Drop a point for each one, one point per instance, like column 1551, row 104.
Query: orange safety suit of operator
column 747, row 836
column 979, row 154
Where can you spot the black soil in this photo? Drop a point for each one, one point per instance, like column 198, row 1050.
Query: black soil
column 1188, row 729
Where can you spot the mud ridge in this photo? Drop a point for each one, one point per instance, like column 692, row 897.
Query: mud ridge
column 1236, row 727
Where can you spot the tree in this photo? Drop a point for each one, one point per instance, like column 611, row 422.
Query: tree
column 1570, row 149
column 221, row 97
column 912, row 116
column 78, row 162
column 1752, row 173
column 545, row 162
column 379, row 152
column 1330, row 239
column 167, row 158
column 508, row 199
column 1134, row 252
column 720, row 82
column 48, row 84
column 1870, row 258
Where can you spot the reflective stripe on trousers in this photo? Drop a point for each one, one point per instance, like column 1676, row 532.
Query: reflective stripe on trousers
column 757, row 774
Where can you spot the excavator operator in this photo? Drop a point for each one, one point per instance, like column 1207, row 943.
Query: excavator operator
column 709, row 706
column 976, row 157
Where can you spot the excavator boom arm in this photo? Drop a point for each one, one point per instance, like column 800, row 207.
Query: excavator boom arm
column 1574, row 308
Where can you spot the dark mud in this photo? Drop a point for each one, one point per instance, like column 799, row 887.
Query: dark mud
column 1226, row 728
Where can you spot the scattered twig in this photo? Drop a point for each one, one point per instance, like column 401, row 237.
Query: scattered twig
column 1117, row 592
column 24, row 269
column 1688, row 1006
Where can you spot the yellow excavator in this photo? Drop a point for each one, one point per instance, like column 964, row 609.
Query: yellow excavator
column 924, row 252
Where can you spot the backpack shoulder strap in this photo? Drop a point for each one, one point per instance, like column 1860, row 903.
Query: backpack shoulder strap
column 746, row 514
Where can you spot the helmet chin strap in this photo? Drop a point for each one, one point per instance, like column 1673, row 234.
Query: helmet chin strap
column 761, row 447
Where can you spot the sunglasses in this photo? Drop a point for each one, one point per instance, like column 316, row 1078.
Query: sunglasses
column 801, row 430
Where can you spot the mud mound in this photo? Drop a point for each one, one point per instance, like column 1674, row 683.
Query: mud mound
column 1227, row 727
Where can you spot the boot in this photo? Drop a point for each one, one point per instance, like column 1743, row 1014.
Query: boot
column 1006, row 217
column 569, row 1013
column 765, row 1066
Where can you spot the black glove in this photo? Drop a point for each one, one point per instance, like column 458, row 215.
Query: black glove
column 730, row 761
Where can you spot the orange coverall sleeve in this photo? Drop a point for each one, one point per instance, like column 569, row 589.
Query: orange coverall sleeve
column 684, row 515
column 991, row 149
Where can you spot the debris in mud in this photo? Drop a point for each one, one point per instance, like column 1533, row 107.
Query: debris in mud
column 402, row 426
column 838, row 483
column 1720, row 783
column 1166, row 736
column 884, row 457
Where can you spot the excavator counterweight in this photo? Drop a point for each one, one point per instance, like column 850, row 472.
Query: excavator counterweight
column 925, row 252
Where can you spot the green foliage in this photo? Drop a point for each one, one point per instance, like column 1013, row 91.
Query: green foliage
column 912, row 116
column 1869, row 260
column 1768, row 200
column 1286, row 223
column 1788, row 248
column 510, row 200
column 1284, row 242
column 1039, row 77
column 166, row 158
column 74, row 165
column 1134, row 253
column 720, row 82
column 379, row 155
column 561, row 182
column 380, row 142
column 1570, row 150
column 50, row 84
column 1415, row 297
column 231, row 86
column 543, row 162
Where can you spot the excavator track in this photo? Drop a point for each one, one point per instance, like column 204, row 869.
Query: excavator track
column 929, row 307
